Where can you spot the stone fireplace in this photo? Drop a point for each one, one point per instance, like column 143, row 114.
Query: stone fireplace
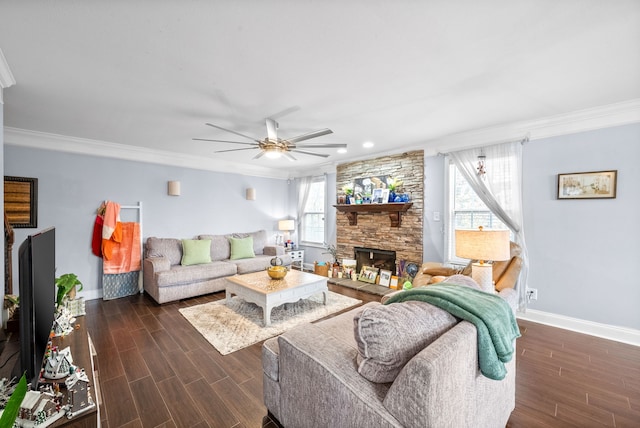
column 375, row 230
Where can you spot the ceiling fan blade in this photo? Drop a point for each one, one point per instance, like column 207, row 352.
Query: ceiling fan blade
column 236, row 150
column 284, row 112
column 233, row 132
column 288, row 156
column 320, row 145
column 272, row 129
column 309, row 136
column 259, row 155
column 225, row 141
column 322, row 155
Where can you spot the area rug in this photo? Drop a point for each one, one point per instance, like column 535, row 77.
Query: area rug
column 235, row 325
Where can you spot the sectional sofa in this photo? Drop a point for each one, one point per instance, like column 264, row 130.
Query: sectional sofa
column 398, row 365
column 177, row 269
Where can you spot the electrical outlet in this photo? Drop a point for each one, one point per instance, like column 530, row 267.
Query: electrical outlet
column 436, row 216
column 532, row 294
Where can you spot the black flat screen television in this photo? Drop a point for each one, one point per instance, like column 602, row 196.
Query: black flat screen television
column 37, row 268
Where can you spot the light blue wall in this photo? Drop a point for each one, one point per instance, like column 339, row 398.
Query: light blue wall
column 584, row 253
column 71, row 187
column 433, row 239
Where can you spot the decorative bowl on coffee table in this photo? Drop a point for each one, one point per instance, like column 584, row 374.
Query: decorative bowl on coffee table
column 277, row 272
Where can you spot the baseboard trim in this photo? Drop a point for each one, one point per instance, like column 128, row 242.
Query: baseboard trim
column 611, row 332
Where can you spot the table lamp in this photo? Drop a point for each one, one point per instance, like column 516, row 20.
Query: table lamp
column 483, row 245
column 286, row 226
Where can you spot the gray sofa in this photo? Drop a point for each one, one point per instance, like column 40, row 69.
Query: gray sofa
column 166, row 279
column 318, row 375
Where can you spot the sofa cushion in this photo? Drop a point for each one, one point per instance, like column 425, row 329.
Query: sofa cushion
column 388, row 336
column 178, row 275
column 220, row 248
column 259, row 239
column 195, row 252
column 241, row 248
column 165, row 247
column 252, row 264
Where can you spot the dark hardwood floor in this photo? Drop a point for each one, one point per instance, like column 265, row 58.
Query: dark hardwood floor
column 155, row 370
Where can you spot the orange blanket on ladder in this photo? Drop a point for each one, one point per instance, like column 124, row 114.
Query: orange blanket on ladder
column 125, row 255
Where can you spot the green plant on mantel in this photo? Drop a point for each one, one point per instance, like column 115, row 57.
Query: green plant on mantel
column 394, row 183
column 348, row 189
column 65, row 284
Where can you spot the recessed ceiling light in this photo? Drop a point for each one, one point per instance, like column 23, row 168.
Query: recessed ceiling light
column 342, row 150
column 367, row 144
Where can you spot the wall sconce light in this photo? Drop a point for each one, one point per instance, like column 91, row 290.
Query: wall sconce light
column 173, row 188
column 251, row 194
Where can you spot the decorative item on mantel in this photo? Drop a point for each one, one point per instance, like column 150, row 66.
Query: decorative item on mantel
column 348, row 193
column 393, row 184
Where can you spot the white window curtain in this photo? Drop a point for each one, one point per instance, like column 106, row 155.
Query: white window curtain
column 304, row 183
column 501, row 190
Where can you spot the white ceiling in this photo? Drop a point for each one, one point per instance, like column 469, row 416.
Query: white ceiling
column 402, row 74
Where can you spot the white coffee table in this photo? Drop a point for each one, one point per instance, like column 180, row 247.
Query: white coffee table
column 269, row 293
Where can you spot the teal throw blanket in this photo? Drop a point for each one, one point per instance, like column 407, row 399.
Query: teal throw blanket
column 492, row 316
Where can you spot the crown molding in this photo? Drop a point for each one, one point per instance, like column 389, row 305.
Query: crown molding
column 62, row 143
column 6, row 77
column 607, row 116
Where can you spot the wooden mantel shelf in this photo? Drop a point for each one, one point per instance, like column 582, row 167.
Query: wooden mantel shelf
column 394, row 209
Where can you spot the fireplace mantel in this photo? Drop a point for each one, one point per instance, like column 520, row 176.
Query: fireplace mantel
column 394, row 209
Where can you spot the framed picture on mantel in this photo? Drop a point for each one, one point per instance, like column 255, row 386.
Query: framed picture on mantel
column 587, row 185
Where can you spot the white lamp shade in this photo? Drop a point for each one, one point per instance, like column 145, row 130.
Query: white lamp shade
column 251, row 194
column 486, row 244
column 173, row 188
column 286, row 225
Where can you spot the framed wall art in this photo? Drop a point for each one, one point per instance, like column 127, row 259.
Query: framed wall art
column 366, row 186
column 587, row 185
column 21, row 201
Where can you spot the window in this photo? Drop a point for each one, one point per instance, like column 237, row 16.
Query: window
column 467, row 211
column 312, row 230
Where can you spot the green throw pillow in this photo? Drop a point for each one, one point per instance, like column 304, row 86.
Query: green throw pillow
column 242, row 248
column 196, row 251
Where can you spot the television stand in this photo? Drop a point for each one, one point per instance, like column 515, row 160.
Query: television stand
column 82, row 351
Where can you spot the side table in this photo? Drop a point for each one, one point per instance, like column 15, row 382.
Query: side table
column 297, row 258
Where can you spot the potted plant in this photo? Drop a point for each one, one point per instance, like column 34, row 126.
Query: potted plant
column 393, row 184
column 331, row 249
column 67, row 287
column 348, row 191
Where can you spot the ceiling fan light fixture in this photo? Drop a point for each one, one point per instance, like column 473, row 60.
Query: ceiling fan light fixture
column 273, row 153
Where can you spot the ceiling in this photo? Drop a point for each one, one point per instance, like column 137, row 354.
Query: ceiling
column 146, row 75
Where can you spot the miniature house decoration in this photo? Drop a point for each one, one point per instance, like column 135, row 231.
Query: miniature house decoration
column 78, row 393
column 40, row 408
column 58, row 364
column 63, row 323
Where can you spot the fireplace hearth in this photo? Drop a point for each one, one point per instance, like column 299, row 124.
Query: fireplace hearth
column 382, row 259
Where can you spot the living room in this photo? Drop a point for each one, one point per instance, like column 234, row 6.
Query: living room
column 581, row 252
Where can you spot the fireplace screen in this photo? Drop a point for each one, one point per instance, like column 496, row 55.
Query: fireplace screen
column 382, row 259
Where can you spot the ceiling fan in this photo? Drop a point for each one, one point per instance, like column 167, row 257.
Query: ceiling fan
column 273, row 147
